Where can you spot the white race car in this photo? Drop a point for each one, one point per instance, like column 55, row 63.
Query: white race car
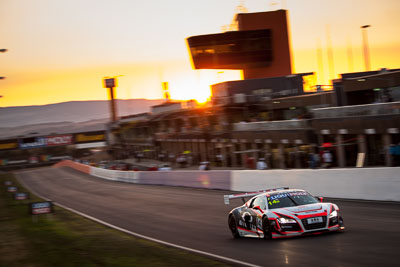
column 282, row 212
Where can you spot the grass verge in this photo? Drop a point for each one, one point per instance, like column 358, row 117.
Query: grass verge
column 67, row 239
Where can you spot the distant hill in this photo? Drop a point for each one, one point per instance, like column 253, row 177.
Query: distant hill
column 53, row 128
column 74, row 116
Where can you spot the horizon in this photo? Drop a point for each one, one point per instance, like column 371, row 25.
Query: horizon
column 95, row 100
column 76, row 112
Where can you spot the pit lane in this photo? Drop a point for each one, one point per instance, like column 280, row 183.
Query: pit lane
column 197, row 219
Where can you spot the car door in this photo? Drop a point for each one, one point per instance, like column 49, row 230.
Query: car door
column 247, row 215
column 258, row 207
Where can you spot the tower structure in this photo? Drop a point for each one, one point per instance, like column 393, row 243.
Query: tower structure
column 260, row 46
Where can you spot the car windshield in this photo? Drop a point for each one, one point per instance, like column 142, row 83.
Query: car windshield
column 289, row 199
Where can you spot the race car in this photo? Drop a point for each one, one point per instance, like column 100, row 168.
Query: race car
column 281, row 213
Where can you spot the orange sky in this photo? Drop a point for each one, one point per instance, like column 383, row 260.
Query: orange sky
column 60, row 50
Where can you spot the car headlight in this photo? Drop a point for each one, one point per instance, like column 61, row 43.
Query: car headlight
column 333, row 214
column 286, row 220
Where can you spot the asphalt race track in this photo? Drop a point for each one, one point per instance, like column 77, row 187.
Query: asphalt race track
column 197, row 219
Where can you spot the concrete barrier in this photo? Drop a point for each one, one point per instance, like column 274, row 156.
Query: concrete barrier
column 368, row 184
column 74, row 165
column 120, row 176
column 381, row 184
column 198, row 179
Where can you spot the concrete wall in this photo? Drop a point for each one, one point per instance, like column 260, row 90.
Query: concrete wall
column 198, row 179
column 74, row 165
column 121, row 176
column 381, row 184
column 367, row 184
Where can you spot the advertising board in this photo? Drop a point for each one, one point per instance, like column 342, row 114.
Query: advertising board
column 12, row 189
column 59, row 140
column 21, row 196
column 37, row 208
column 109, row 82
column 8, row 145
column 33, row 142
column 90, row 137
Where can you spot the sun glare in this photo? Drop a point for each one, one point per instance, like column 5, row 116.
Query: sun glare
column 197, row 84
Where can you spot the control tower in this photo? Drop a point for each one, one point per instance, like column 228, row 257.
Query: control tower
column 260, row 47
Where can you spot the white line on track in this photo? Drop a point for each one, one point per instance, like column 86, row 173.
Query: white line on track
column 222, row 258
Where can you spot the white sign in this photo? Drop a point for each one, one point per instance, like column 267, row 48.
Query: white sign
column 370, row 131
column 360, row 160
column 59, row 140
column 325, row 131
column 90, row 145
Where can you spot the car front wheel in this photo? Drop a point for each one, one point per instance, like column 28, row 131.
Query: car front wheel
column 341, row 223
column 267, row 229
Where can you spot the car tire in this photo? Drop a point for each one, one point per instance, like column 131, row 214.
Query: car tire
column 233, row 226
column 266, row 228
column 340, row 222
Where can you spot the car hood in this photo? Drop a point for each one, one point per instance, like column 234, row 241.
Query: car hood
column 305, row 211
column 305, row 208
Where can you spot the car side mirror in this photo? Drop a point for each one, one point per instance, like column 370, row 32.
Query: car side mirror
column 321, row 199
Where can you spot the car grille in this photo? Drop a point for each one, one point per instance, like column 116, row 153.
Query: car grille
column 314, row 225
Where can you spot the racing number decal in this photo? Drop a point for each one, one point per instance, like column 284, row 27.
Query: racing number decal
column 275, row 201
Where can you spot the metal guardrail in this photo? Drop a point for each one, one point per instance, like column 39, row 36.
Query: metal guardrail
column 390, row 108
column 272, row 125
